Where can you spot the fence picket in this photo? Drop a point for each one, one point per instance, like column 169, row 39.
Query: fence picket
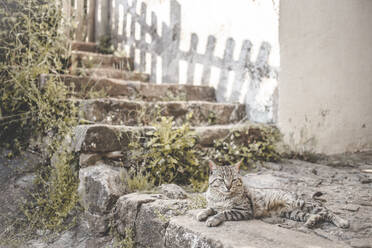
column 241, row 69
column 227, row 66
column 208, row 56
column 142, row 21
column 191, row 63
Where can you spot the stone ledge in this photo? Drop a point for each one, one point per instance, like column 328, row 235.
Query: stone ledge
column 125, row 112
column 109, row 138
column 135, row 90
column 91, row 60
column 84, row 46
column 161, row 222
column 185, row 231
column 113, row 73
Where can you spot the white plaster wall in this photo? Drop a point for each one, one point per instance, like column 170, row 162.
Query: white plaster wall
column 325, row 89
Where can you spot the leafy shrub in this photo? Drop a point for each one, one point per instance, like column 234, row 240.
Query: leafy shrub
column 104, row 45
column 32, row 43
column 137, row 181
column 171, row 157
column 168, row 154
column 124, row 242
column 255, row 144
column 56, row 197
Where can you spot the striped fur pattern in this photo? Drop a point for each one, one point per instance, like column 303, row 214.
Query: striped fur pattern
column 229, row 200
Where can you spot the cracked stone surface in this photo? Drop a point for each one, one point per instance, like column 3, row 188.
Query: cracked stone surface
column 162, row 222
column 113, row 73
column 185, row 231
column 101, row 138
column 340, row 189
column 89, row 60
column 135, row 90
column 131, row 113
column 99, row 188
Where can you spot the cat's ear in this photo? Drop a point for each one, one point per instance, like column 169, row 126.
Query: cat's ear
column 237, row 165
column 212, row 165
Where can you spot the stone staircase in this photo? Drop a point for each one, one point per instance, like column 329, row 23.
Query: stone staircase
column 131, row 103
column 128, row 107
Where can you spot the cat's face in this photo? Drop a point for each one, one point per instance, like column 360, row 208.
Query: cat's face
column 225, row 180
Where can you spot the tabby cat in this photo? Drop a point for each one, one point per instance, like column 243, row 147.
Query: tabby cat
column 229, row 199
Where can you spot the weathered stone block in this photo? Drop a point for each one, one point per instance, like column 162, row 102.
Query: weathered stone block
column 103, row 138
column 100, row 187
column 107, row 138
column 127, row 112
column 114, row 73
column 147, row 216
column 186, row 231
column 89, row 159
column 84, row 46
column 173, row 191
column 90, row 60
column 136, row 90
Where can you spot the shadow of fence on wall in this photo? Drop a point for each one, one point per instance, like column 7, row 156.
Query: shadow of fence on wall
column 167, row 46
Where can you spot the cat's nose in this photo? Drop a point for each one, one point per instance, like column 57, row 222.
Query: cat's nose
column 228, row 187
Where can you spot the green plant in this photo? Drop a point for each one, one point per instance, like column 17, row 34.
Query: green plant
column 252, row 145
column 137, row 181
column 168, row 154
column 126, row 241
column 56, row 199
column 32, row 43
column 171, row 156
column 197, row 201
column 104, row 45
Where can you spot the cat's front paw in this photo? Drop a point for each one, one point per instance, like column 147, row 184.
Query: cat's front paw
column 202, row 216
column 213, row 221
column 312, row 221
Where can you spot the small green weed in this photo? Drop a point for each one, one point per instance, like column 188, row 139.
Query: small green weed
column 104, row 45
column 197, row 201
column 56, row 199
column 168, row 154
column 171, row 157
column 125, row 242
column 255, row 144
column 137, row 181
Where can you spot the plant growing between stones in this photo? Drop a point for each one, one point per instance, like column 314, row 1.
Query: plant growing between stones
column 137, row 181
column 32, row 42
column 104, row 45
column 251, row 146
column 168, row 154
column 198, row 201
column 56, row 198
column 124, row 242
column 171, row 156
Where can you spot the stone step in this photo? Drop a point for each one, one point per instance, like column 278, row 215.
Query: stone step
column 185, row 231
column 101, row 138
column 157, row 221
column 111, row 73
column 136, row 90
column 84, row 46
column 131, row 113
column 97, row 60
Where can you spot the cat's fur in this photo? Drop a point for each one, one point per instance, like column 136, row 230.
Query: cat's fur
column 229, row 199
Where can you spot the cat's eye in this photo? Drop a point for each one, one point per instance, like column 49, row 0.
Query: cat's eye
column 217, row 181
column 237, row 181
